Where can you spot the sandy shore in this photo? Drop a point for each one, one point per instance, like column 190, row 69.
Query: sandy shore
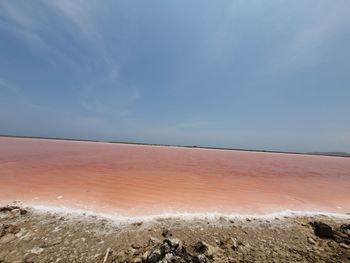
column 31, row 235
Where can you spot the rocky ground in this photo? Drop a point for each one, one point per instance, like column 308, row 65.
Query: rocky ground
column 28, row 235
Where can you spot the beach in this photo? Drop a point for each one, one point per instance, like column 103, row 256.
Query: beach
column 29, row 235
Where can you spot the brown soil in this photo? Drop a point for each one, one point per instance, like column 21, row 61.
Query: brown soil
column 27, row 235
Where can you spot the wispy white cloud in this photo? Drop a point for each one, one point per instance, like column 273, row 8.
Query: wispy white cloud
column 80, row 13
column 28, row 24
column 83, row 16
column 33, row 23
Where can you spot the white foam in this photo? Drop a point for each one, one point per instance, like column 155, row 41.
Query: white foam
column 183, row 215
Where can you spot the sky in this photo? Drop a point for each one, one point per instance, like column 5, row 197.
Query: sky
column 271, row 75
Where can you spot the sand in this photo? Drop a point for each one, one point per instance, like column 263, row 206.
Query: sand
column 30, row 235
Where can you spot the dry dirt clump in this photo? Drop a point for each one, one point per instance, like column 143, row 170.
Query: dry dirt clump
column 27, row 235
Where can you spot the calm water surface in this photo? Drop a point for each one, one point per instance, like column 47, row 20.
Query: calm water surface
column 139, row 180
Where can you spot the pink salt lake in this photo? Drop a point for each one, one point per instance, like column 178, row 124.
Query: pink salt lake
column 145, row 180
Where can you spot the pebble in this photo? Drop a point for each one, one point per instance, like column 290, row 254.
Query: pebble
column 37, row 250
column 135, row 246
column 138, row 260
column 311, row 241
column 16, row 212
column 166, row 233
column 344, row 245
column 139, row 223
column 233, row 243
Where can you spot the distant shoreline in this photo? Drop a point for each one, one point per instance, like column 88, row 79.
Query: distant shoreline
column 330, row 154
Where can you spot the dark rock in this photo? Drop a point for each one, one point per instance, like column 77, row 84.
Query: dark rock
column 154, row 256
column 200, row 247
column 174, row 243
column 9, row 208
column 166, row 233
column 23, row 212
column 345, row 226
column 174, row 246
column 322, row 230
column 165, row 248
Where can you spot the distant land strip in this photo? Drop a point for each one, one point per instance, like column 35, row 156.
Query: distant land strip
column 333, row 154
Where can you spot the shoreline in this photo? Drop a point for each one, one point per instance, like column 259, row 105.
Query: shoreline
column 182, row 215
column 178, row 215
column 30, row 235
column 320, row 154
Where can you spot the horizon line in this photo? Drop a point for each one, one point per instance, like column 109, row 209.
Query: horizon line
column 330, row 154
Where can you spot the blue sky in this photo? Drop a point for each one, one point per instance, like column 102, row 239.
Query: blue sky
column 271, row 75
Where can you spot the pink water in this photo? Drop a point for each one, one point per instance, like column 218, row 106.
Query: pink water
column 139, row 180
